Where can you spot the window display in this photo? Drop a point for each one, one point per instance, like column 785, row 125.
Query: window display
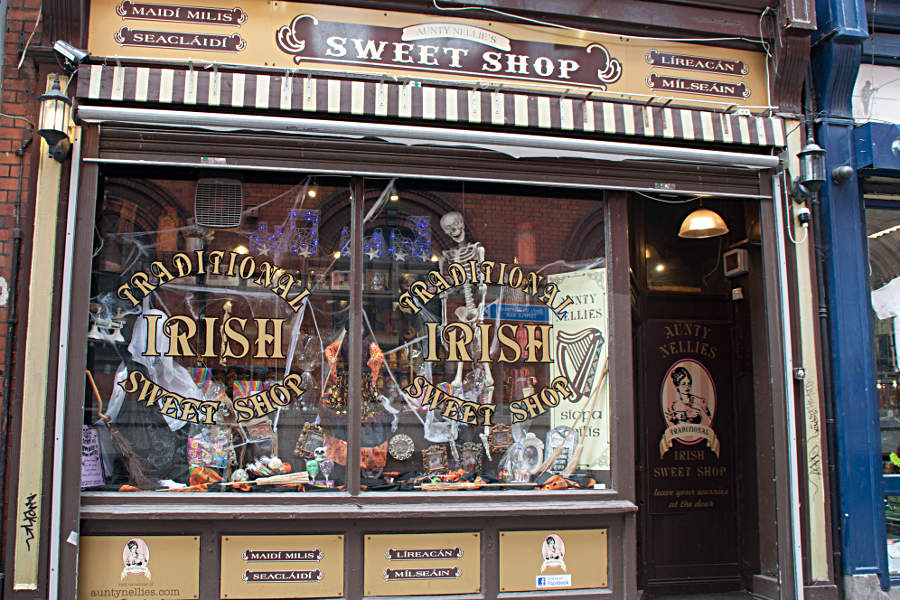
column 214, row 341
column 882, row 227
column 219, row 338
column 494, row 336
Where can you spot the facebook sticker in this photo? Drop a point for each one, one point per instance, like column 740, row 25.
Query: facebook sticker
column 549, row 581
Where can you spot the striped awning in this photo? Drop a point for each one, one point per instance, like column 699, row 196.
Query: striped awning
column 412, row 100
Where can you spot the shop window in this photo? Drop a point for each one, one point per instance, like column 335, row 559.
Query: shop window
column 882, row 226
column 219, row 343
column 206, row 343
column 499, row 376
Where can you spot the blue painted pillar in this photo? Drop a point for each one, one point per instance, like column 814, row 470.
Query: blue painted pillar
column 858, row 452
column 836, row 57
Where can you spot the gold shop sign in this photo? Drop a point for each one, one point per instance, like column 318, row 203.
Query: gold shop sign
column 139, row 567
column 553, row 559
column 282, row 566
column 470, row 332
column 422, row 564
column 433, row 47
column 225, row 337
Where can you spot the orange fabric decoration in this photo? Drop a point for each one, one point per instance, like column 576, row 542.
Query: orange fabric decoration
column 336, row 450
column 376, row 359
column 201, row 477
column 374, row 458
column 370, row 458
column 331, row 355
column 453, row 476
column 555, row 483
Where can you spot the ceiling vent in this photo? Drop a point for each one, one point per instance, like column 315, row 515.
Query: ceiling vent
column 218, row 203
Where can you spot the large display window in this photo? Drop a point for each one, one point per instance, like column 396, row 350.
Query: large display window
column 221, row 340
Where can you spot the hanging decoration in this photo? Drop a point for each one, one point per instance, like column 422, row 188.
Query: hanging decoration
column 299, row 235
column 333, row 353
column 409, row 243
column 376, row 360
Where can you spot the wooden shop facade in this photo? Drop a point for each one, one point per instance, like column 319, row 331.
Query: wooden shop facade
column 421, row 299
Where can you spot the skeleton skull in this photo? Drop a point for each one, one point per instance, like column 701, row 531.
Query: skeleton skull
column 453, row 225
column 321, row 453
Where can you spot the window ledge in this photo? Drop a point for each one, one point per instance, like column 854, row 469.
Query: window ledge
column 399, row 506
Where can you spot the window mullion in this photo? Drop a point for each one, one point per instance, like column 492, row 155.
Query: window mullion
column 354, row 352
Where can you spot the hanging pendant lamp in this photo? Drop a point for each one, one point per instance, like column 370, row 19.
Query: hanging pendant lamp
column 702, row 223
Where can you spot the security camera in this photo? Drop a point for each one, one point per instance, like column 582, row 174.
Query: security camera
column 804, row 216
column 70, row 54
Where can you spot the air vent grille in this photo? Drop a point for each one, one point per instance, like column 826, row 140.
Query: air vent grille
column 218, row 203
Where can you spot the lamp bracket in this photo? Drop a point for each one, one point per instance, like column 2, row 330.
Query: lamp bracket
column 60, row 150
column 799, row 193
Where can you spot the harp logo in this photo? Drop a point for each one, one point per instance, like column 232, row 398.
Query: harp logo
column 577, row 357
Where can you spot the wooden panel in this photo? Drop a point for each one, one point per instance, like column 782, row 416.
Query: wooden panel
column 76, row 360
column 553, row 560
column 282, row 566
column 422, row 563
column 30, row 498
column 689, row 448
column 139, row 568
column 370, row 157
column 794, row 24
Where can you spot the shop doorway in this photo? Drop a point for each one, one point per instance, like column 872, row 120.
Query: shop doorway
column 696, row 396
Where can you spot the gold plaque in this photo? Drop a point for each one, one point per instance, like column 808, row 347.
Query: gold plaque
column 553, row 559
column 422, row 564
column 282, row 566
column 139, row 567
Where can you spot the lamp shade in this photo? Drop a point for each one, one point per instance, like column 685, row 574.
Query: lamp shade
column 54, row 119
column 702, row 223
column 812, row 166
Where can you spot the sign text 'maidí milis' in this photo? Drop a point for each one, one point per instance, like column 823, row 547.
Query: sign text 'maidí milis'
column 181, row 14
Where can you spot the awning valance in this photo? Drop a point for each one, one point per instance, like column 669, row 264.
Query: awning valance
column 415, row 101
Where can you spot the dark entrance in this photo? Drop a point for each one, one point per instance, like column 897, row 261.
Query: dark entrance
column 696, row 398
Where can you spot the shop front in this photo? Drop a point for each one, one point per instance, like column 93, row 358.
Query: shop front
column 374, row 304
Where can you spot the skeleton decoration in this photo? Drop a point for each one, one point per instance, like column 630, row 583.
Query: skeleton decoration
column 472, row 312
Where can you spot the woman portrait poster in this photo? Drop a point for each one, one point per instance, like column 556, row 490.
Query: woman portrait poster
column 688, row 398
column 553, row 551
